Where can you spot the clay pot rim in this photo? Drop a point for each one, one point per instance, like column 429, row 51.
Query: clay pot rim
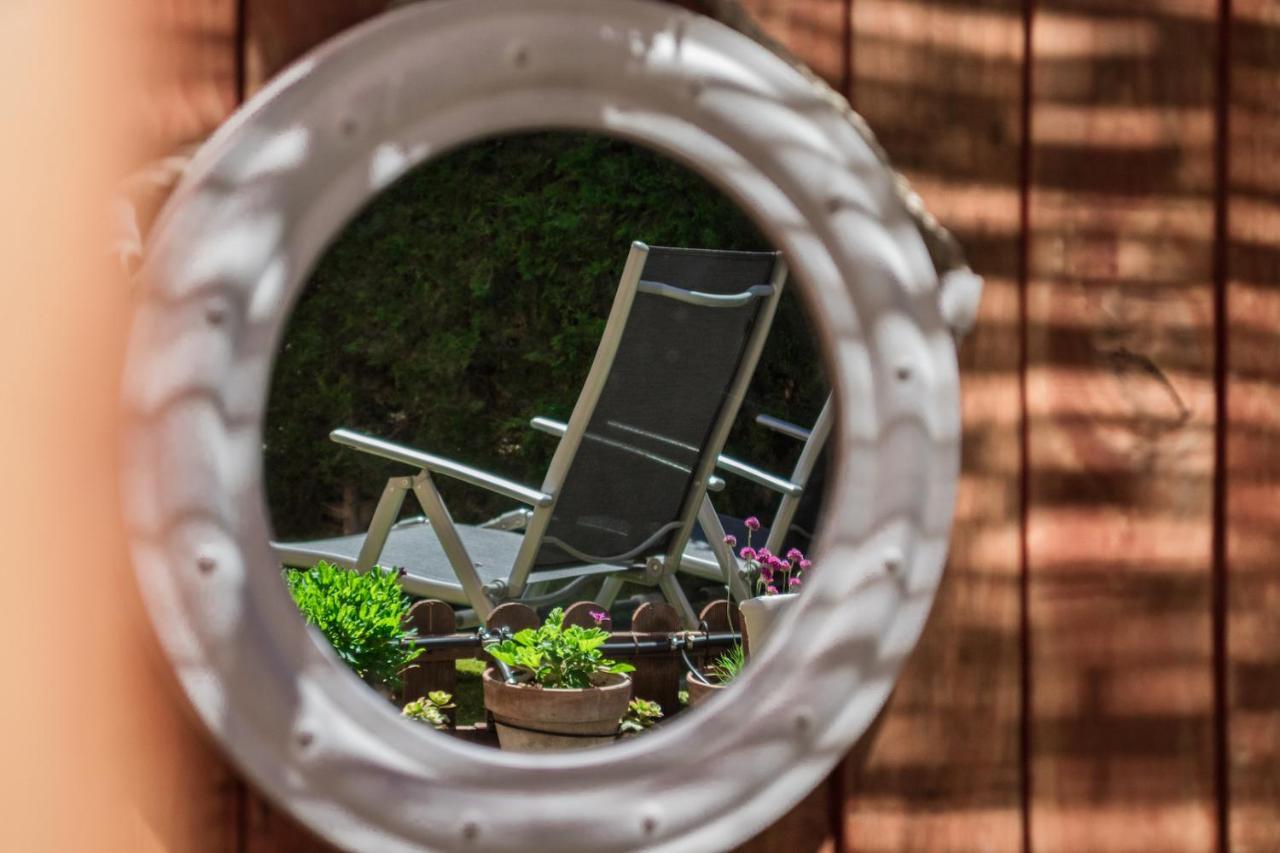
column 714, row 685
column 622, row 681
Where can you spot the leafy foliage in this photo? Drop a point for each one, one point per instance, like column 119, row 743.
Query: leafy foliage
column 470, row 297
column 431, row 709
column 728, row 665
column 641, row 714
column 557, row 656
column 361, row 615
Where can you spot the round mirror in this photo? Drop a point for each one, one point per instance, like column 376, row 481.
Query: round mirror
column 218, row 371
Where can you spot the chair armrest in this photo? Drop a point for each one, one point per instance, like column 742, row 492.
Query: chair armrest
column 548, row 426
column 440, row 465
column 557, row 428
column 761, row 478
column 785, row 427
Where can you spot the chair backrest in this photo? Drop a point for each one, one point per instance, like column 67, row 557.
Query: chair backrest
column 681, row 343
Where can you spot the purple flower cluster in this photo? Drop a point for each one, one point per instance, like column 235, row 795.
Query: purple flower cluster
column 773, row 573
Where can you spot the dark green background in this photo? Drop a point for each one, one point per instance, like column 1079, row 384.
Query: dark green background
column 469, row 297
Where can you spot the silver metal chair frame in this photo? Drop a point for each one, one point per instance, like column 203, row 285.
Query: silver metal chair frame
column 657, row 571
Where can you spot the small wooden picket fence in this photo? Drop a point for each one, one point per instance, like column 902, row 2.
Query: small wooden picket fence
column 658, row 676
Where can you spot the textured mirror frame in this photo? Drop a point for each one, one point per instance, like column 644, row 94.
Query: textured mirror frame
column 233, row 250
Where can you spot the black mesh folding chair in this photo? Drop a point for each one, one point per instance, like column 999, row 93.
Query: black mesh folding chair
column 630, row 473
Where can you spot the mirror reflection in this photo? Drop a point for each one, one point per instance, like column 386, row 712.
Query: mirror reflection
column 546, row 442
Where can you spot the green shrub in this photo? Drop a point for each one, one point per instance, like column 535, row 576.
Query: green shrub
column 470, row 297
column 361, row 615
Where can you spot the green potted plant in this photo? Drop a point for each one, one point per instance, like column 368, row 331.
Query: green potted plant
column 563, row 694
column 776, row 581
column 717, row 676
column 362, row 617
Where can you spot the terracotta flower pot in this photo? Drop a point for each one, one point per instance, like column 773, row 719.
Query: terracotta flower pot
column 699, row 692
column 759, row 615
column 544, row 719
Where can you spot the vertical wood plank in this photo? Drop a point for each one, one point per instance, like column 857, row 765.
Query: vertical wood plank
column 187, row 86
column 814, row 30
column 279, row 31
column 191, row 72
column 1120, row 405
column 193, row 797
column 657, row 677
column 941, row 83
column 431, row 672
column 271, row 830
column 1252, row 487
column 804, row 829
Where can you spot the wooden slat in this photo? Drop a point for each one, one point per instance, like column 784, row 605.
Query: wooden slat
column 941, row 84
column 279, row 31
column 717, row 617
column 187, row 86
column 191, row 72
column 814, row 30
column 431, row 619
column 1120, row 406
column 657, row 677
column 1252, row 487
column 804, row 829
column 580, row 614
column 193, row 797
column 267, row 829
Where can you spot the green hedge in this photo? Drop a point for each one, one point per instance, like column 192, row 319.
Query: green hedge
column 469, row 297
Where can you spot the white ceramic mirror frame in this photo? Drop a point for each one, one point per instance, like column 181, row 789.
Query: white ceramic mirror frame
column 233, row 249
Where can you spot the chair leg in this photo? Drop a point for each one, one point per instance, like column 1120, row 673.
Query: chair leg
column 451, row 542
column 675, row 595
column 609, row 591
column 711, row 526
column 384, row 517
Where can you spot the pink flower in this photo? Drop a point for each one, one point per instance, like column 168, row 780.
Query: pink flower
column 794, row 583
column 731, row 540
column 805, row 565
column 770, row 590
column 766, row 572
column 598, row 616
column 778, row 564
column 764, row 555
column 752, row 523
column 795, row 555
column 747, row 553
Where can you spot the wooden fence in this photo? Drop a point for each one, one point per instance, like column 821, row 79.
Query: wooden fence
column 1102, row 669
column 658, row 675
